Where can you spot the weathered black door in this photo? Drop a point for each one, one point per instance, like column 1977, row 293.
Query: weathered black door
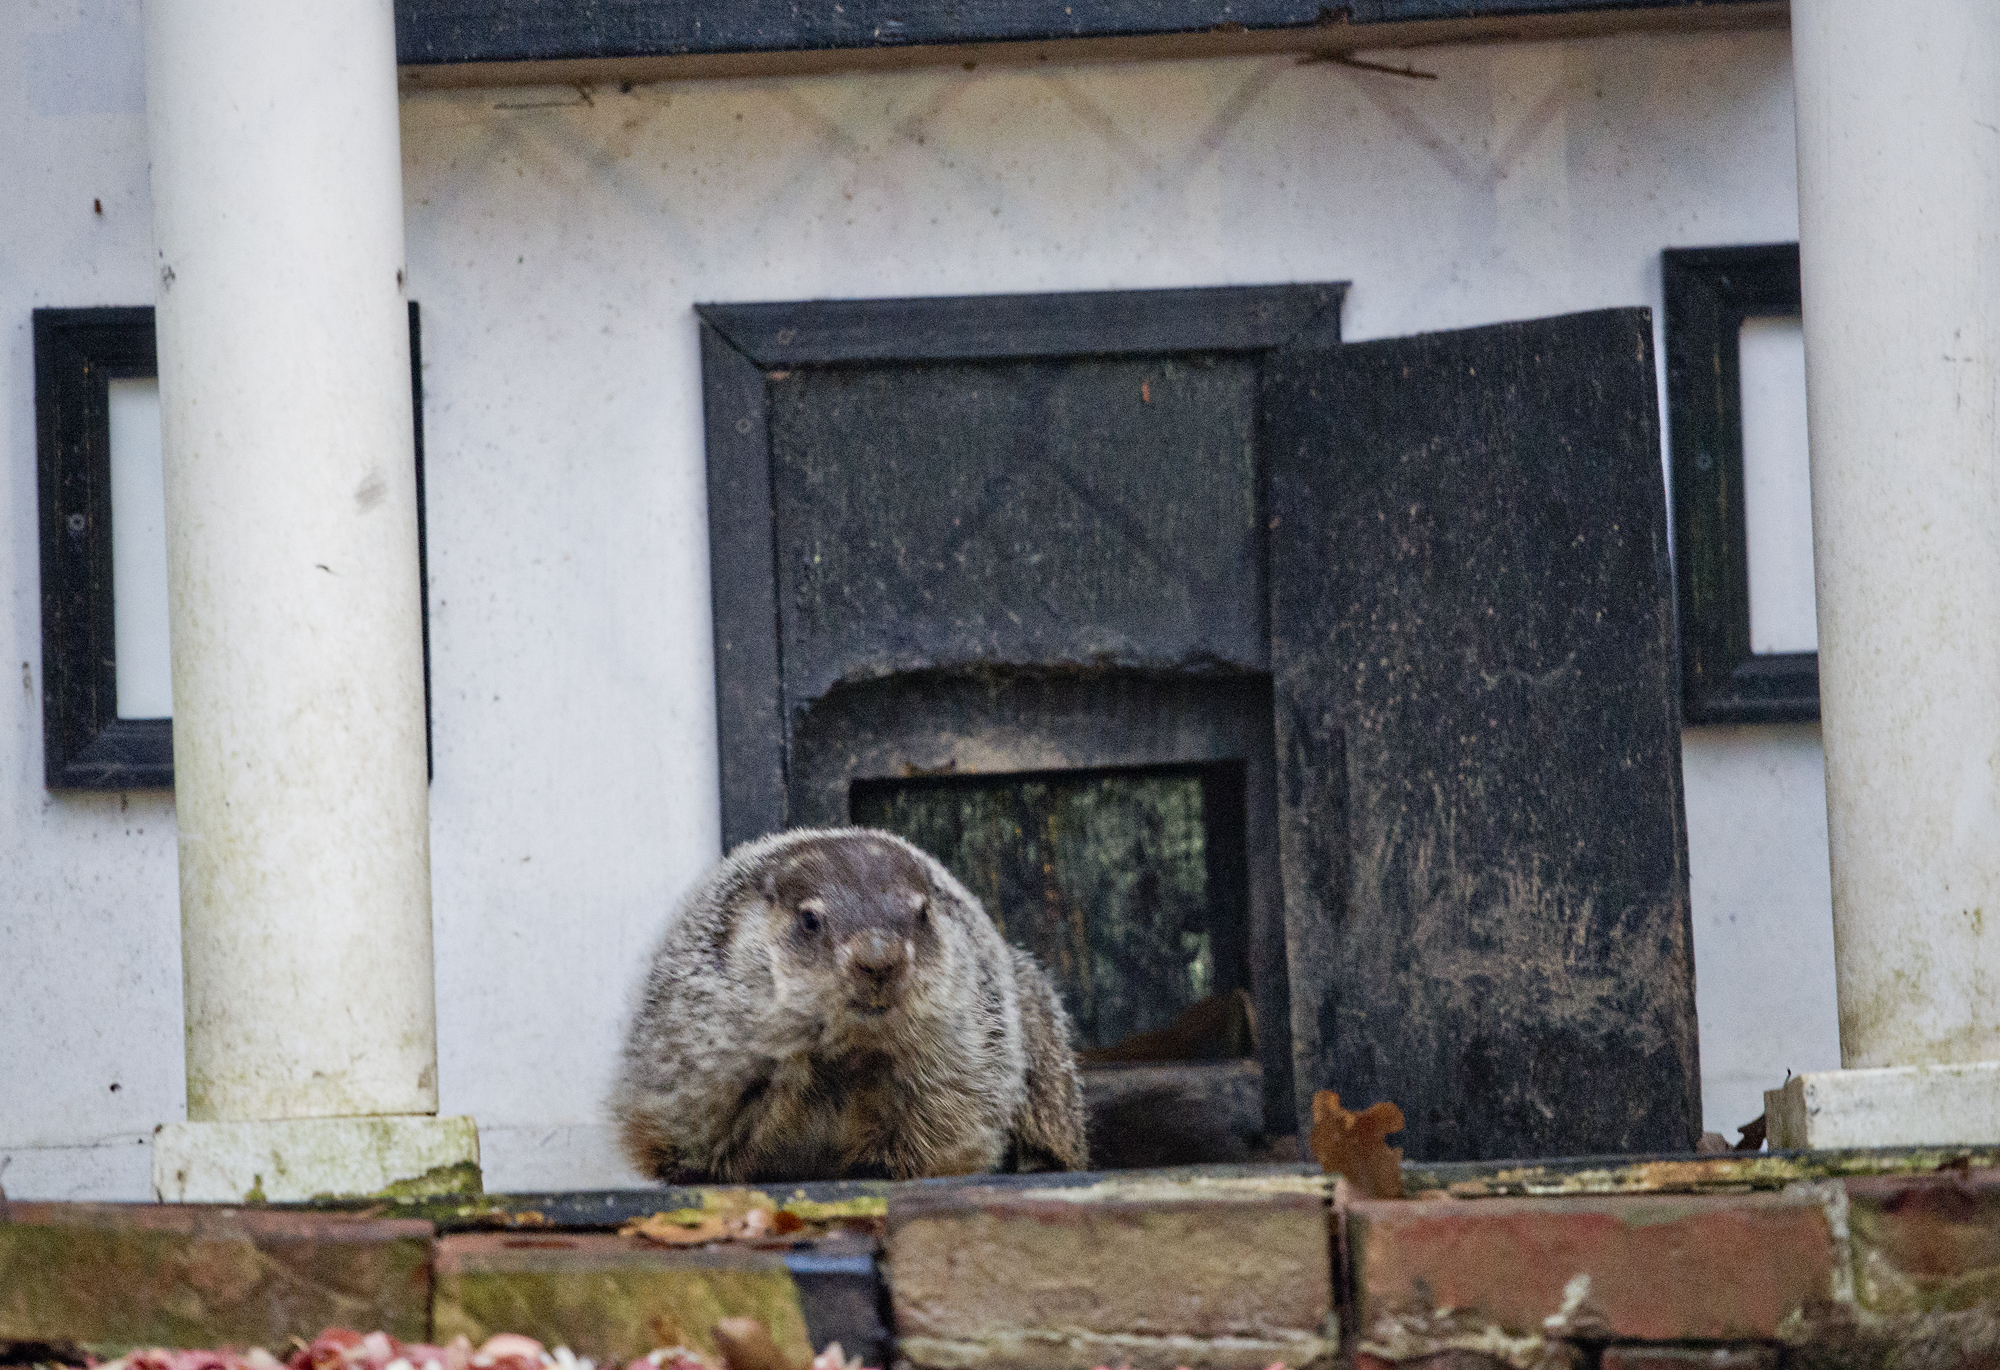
column 1481, row 836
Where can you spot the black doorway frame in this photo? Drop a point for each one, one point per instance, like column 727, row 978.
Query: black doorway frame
column 741, row 343
column 793, row 762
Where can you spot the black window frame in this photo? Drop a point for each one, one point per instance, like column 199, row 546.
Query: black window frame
column 1710, row 292
column 85, row 744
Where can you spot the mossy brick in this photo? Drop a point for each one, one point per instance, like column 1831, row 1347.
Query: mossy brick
column 1142, row 1272
column 607, row 1297
column 1643, row 1356
column 1926, row 1244
column 115, row 1276
column 1447, row 1360
column 1507, row 1274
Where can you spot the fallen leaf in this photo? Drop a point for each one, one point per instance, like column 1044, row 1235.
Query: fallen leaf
column 1351, row 1144
column 1751, row 1136
column 753, row 1217
column 681, row 1227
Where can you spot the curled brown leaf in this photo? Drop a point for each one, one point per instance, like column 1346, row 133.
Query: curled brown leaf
column 1352, row 1145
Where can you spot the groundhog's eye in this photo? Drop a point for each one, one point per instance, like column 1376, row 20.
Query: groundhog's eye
column 809, row 919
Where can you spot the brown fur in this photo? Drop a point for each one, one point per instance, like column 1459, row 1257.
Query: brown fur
column 832, row 1003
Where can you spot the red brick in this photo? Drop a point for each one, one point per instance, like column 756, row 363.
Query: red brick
column 1690, row 1358
column 1927, row 1243
column 114, row 1276
column 610, row 1298
column 1643, row 1268
column 1144, row 1272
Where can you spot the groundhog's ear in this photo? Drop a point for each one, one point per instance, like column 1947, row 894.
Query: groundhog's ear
column 767, row 885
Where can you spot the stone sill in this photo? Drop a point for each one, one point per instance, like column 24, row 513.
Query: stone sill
column 1631, row 1265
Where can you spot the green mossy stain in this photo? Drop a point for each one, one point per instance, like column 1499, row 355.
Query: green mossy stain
column 813, row 1211
column 111, row 1287
column 616, row 1314
column 458, row 1180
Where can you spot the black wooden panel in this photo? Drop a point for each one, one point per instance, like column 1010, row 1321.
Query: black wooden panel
column 1478, row 747
column 1394, row 11
column 750, row 732
column 1223, row 318
column 431, row 32
column 1072, row 512
column 1710, row 291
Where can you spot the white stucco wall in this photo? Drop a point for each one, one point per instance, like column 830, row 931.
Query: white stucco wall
column 90, row 981
column 557, row 240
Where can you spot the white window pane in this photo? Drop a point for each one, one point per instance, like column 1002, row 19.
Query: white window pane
column 1777, row 488
column 139, row 552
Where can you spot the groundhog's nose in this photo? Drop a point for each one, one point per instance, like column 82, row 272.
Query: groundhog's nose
column 877, row 961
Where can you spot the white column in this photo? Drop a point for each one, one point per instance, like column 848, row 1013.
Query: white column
column 1899, row 239
column 299, row 766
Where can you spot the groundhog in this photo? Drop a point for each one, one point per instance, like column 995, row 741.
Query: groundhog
column 831, row 1004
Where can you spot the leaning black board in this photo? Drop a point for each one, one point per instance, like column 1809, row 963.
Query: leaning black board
column 1479, row 776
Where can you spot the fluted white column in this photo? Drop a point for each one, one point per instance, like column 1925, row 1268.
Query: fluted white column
column 1899, row 240
column 299, row 761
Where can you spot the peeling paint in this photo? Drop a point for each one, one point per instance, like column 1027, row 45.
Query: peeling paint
column 1704, row 1175
column 1143, row 1187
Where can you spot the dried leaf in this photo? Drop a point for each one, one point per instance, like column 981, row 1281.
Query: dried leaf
column 746, row 1345
column 1351, row 1144
column 739, row 1216
column 681, row 1227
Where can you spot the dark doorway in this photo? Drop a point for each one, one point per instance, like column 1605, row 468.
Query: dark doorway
column 1129, row 886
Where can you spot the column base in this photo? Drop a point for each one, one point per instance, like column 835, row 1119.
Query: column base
column 293, row 1159
column 1832, row 1110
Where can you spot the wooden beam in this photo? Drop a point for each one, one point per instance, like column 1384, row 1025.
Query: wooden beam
column 580, row 42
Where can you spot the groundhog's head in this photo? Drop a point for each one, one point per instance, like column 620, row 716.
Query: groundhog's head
column 852, row 922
